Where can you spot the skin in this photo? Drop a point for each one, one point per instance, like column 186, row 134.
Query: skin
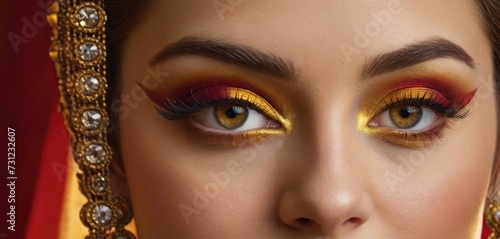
column 345, row 182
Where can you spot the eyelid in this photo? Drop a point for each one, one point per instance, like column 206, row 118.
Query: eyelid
column 215, row 95
column 412, row 96
column 445, row 93
column 210, row 96
column 441, row 102
column 260, row 103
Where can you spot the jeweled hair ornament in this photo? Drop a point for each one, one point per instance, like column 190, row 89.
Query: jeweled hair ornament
column 493, row 217
column 79, row 53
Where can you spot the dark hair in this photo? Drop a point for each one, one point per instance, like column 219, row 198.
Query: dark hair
column 124, row 14
column 490, row 16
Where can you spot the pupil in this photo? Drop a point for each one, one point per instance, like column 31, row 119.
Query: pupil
column 234, row 111
column 231, row 116
column 406, row 112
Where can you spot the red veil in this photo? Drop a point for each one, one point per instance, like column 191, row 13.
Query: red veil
column 29, row 106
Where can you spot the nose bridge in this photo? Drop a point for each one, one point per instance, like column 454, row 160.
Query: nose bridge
column 335, row 146
column 336, row 153
column 328, row 194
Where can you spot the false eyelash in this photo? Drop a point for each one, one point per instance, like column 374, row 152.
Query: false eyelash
column 183, row 109
column 450, row 109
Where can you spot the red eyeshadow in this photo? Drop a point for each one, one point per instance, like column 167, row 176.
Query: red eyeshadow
column 441, row 99
column 449, row 93
column 206, row 94
column 208, row 89
column 465, row 100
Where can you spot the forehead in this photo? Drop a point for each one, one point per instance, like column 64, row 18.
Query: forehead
column 324, row 33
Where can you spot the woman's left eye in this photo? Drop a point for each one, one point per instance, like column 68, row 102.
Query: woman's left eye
column 406, row 117
column 233, row 118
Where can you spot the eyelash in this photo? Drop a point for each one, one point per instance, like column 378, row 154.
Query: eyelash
column 187, row 105
column 446, row 108
column 449, row 109
column 183, row 109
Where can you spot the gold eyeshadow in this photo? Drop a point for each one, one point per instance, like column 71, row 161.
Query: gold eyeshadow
column 231, row 140
column 264, row 86
column 445, row 99
column 260, row 103
column 434, row 84
column 193, row 97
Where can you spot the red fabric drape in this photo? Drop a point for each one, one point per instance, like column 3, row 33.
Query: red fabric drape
column 486, row 231
column 29, row 98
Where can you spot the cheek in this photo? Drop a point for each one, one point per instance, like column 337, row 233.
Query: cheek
column 157, row 176
column 442, row 188
column 431, row 202
column 179, row 188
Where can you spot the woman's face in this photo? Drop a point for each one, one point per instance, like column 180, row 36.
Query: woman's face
column 307, row 119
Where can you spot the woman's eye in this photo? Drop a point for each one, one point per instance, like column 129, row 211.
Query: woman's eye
column 406, row 117
column 233, row 118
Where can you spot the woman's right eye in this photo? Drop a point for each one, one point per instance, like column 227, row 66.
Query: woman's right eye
column 233, row 118
column 225, row 114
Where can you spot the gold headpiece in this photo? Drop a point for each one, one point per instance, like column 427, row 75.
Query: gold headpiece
column 79, row 53
column 493, row 217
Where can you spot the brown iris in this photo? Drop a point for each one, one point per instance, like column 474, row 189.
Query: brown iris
column 405, row 116
column 231, row 116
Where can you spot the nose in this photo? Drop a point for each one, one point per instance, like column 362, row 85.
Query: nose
column 326, row 196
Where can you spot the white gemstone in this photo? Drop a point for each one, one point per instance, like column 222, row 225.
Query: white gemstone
column 91, row 119
column 99, row 183
column 88, row 17
column 95, row 154
column 89, row 85
column 102, row 215
column 88, row 51
column 497, row 216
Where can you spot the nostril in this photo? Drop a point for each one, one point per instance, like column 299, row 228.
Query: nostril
column 306, row 224
column 303, row 220
column 353, row 221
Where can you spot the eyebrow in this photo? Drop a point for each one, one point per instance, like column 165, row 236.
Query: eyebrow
column 230, row 53
column 414, row 54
